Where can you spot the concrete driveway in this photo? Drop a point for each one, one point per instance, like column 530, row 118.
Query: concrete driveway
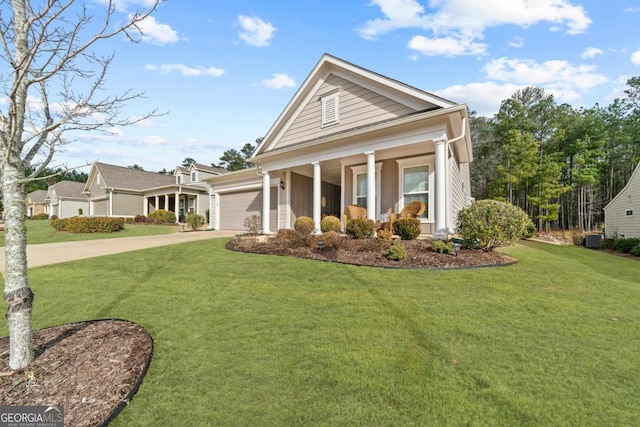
column 54, row 253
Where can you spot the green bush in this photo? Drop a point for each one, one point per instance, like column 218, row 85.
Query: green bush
column 407, row 228
column 492, row 224
column 330, row 223
column 195, row 221
column 442, row 247
column 531, row 230
column 397, row 251
column 40, row 216
column 625, row 245
column 304, row 225
column 635, row 251
column 163, row 216
column 94, row 224
column 360, row 228
column 608, row 244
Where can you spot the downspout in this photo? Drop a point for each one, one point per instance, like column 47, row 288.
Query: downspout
column 463, row 133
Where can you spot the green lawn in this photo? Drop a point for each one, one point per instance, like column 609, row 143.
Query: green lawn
column 256, row 340
column 40, row 231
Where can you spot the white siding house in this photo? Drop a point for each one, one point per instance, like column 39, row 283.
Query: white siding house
column 622, row 214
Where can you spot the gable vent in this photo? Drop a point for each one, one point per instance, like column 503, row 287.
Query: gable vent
column 330, row 109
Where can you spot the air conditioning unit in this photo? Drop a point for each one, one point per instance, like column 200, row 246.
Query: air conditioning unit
column 593, row 241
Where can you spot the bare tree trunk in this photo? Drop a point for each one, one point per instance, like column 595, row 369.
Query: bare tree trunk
column 17, row 292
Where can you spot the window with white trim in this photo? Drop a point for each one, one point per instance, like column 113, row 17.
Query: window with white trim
column 416, row 183
column 629, row 212
column 193, row 176
column 330, row 109
column 178, row 179
column 360, row 186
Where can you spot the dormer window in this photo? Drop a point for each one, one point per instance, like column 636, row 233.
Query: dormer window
column 330, row 108
column 178, row 179
column 193, row 177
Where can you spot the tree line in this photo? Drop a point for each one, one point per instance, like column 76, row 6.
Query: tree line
column 560, row 164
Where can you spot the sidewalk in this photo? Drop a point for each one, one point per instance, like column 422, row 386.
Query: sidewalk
column 54, row 253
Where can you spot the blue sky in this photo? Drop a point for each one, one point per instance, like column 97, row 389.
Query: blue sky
column 224, row 70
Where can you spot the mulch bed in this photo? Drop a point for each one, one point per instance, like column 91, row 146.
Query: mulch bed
column 91, row 368
column 373, row 254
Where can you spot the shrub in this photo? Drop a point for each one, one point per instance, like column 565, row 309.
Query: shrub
column 330, row 223
column 140, row 219
column 442, row 247
column 635, row 251
column 383, row 235
column 578, row 237
column 608, row 244
column 195, row 221
column 304, row 225
column 332, row 239
column 81, row 225
column 40, row 216
column 625, row 245
column 492, row 224
column 253, row 223
column 360, row 228
column 407, row 228
column 530, row 231
column 397, row 251
column 163, row 216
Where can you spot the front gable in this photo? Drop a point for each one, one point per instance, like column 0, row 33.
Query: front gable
column 339, row 96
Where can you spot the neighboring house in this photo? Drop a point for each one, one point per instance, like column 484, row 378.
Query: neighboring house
column 65, row 199
column 37, row 203
column 125, row 192
column 352, row 136
column 622, row 214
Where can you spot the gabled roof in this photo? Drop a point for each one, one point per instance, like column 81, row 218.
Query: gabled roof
column 418, row 100
column 634, row 175
column 69, row 189
column 127, row 178
column 205, row 168
column 37, row 196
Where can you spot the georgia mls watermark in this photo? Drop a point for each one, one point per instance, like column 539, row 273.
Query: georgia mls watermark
column 32, row 416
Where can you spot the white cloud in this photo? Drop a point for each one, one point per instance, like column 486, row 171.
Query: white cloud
column 255, row 31
column 155, row 32
column 278, row 81
column 555, row 73
column 462, row 21
column 484, row 98
column 185, row 70
column 447, row 46
column 591, row 52
column 635, row 57
column 517, row 42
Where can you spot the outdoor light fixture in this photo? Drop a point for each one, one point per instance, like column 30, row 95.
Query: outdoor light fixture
column 456, row 248
column 282, row 184
column 321, row 245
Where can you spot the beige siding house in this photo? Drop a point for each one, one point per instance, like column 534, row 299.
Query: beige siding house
column 65, row 199
column 37, row 203
column 622, row 214
column 352, row 136
column 125, row 192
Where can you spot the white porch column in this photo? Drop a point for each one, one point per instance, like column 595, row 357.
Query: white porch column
column 212, row 215
column 317, row 197
column 157, row 205
column 266, row 203
column 176, row 207
column 166, row 202
column 371, row 185
column 441, row 231
column 145, row 207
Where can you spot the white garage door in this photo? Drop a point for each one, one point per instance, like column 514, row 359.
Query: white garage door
column 235, row 207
